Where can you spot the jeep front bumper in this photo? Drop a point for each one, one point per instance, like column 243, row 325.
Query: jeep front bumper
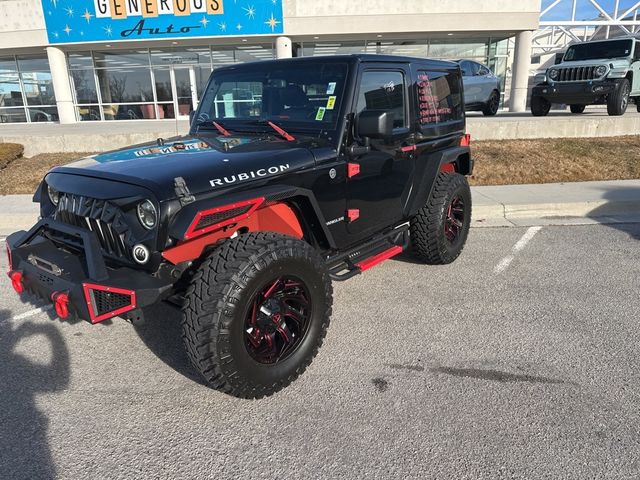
column 582, row 93
column 79, row 284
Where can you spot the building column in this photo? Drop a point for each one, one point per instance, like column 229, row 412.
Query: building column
column 61, row 85
column 283, row 47
column 520, row 76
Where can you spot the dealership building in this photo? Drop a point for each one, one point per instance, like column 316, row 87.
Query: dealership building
column 71, row 61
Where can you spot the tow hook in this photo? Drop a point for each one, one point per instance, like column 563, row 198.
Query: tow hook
column 61, row 304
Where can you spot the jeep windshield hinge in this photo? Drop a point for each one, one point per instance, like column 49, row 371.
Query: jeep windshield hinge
column 182, row 191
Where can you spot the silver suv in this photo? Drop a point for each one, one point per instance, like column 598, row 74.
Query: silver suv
column 591, row 73
column 481, row 88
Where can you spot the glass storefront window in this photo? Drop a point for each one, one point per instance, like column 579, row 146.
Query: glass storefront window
column 12, row 115
column 80, row 60
column 85, row 86
column 122, row 58
column 125, row 85
column 407, row 48
column 26, row 80
column 310, row 49
column 163, row 84
column 129, row 112
column 252, row 53
column 88, row 112
column 456, row 49
column 188, row 56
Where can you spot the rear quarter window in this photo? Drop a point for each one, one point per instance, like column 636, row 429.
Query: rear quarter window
column 439, row 97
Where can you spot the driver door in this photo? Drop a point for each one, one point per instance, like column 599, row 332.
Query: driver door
column 377, row 194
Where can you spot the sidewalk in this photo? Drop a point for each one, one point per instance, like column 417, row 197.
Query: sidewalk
column 499, row 206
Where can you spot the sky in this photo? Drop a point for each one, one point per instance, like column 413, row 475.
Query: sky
column 585, row 10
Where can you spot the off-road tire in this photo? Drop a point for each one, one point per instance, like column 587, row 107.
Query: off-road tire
column 618, row 101
column 540, row 106
column 217, row 303
column 490, row 108
column 577, row 108
column 427, row 230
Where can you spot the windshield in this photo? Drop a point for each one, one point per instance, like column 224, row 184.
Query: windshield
column 294, row 94
column 599, row 50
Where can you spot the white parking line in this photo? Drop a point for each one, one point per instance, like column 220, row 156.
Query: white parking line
column 33, row 312
column 519, row 246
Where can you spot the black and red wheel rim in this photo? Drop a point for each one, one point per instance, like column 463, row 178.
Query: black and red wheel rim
column 454, row 220
column 278, row 320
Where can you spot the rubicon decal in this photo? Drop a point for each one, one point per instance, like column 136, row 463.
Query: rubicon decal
column 240, row 177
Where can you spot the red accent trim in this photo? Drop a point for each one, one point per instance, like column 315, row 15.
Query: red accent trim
column 287, row 136
column 448, row 168
column 95, row 318
column 16, row 281
column 221, row 129
column 465, row 141
column 409, row 148
column 191, row 232
column 353, row 214
column 353, row 169
column 278, row 218
column 61, row 304
column 379, row 258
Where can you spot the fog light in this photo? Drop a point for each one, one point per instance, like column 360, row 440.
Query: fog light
column 598, row 88
column 140, row 254
column 16, row 282
column 61, row 304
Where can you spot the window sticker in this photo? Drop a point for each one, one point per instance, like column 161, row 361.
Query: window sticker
column 331, row 88
column 320, row 114
column 331, row 102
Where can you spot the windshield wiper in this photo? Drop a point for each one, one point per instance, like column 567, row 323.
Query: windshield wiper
column 279, row 130
column 223, row 131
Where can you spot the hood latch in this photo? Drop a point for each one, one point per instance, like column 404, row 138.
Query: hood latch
column 182, row 191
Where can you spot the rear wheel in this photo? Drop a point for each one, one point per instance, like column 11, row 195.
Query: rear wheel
column 256, row 313
column 618, row 101
column 491, row 107
column 540, row 106
column 439, row 230
column 577, row 108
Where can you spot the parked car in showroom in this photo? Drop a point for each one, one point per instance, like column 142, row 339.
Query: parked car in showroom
column 481, row 88
column 591, row 73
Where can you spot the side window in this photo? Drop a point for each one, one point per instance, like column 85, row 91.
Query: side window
column 467, row 71
column 484, row 71
column 383, row 91
column 439, row 97
column 636, row 53
column 475, row 68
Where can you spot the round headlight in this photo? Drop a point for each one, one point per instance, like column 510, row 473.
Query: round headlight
column 554, row 74
column 147, row 214
column 54, row 195
column 600, row 70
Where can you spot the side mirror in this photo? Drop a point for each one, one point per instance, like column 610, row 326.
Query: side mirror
column 558, row 59
column 375, row 124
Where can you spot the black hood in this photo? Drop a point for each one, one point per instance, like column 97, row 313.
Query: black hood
column 205, row 162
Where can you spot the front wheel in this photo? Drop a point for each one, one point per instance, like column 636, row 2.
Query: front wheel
column 491, row 107
column 439, row 230
column 618, row 101
column 256, row 313
column 577, row 108
column 540, row 106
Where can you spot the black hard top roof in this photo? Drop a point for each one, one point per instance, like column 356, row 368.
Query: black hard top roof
column 352, row 58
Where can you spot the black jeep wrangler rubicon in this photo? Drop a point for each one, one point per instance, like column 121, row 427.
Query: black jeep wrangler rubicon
column 294, row 173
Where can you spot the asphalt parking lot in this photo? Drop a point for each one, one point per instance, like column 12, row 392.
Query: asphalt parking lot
column 520, row 360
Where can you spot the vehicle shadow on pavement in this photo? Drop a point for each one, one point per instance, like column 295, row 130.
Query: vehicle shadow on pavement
column 162, row 334
column 24, row 448
column 614, row 197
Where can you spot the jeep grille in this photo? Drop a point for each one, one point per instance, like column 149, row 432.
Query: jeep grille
column 99, row 216
column 577, row 74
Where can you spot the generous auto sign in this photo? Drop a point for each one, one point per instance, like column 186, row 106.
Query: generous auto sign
column 74, row 21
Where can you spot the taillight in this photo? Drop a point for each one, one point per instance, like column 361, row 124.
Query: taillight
column 16, row 282
column 465, row 141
